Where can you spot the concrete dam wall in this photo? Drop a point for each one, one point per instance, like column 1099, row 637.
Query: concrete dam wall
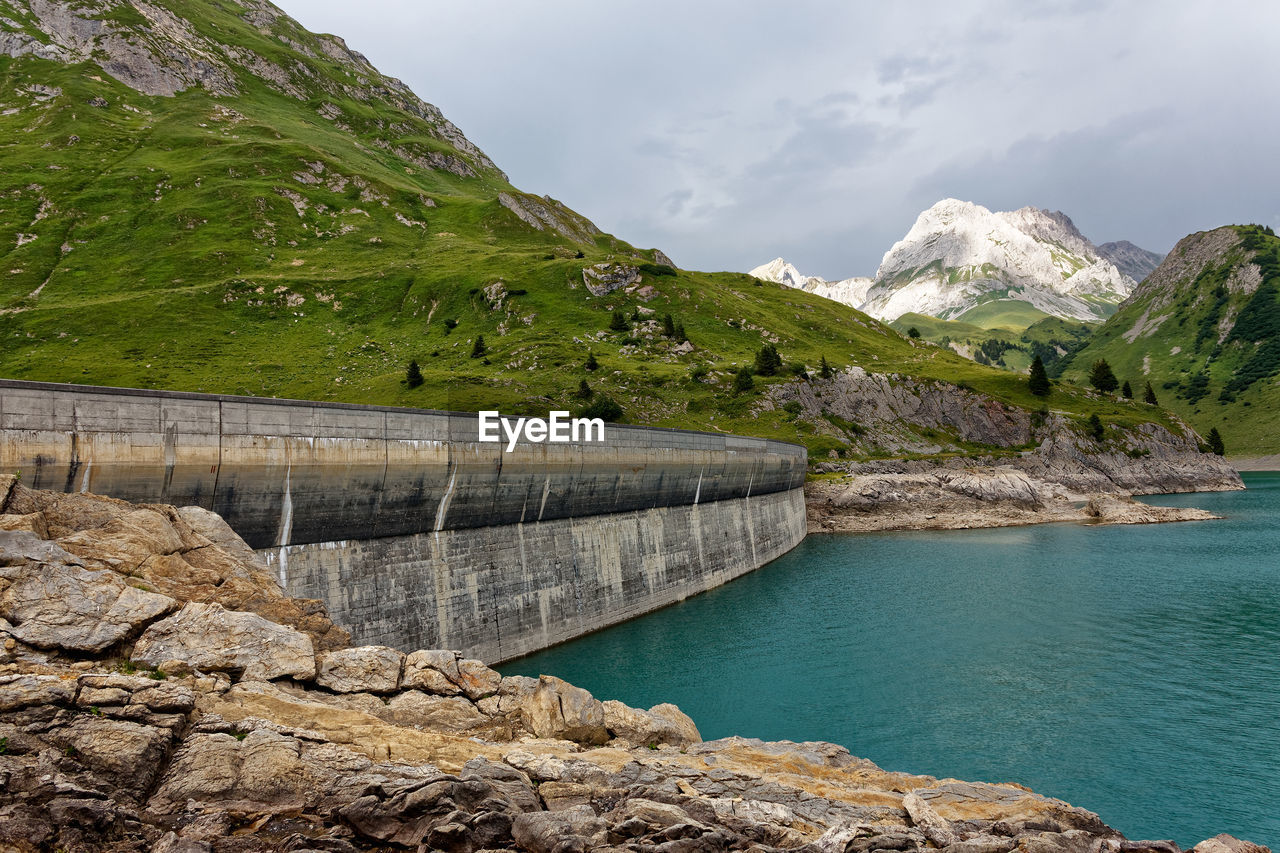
column 415, row 533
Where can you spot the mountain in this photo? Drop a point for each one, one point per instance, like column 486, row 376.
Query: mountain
column 1204, row 330
column 849, row 291
column 1133, row 261
column 961, row 261
column 202, row 195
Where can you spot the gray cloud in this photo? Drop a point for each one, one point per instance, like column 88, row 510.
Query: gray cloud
column 730, row 132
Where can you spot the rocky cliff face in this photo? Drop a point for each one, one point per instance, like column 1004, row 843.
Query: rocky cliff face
column 1133, row 261
column 135, row 717
column 959, row 255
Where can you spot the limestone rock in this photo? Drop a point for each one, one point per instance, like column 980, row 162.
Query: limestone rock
column 19, row 545
column 573, row 829
column 125, row 542
column 32, row 522
column 366, row 669
column 557, row 709
column 209, row 638
column 1227, row 844
column 72, row 608
column 433, row 671
column 444, row 713
column 22, row 691
column 661, row 724
column 604, row 278
column 477, row 680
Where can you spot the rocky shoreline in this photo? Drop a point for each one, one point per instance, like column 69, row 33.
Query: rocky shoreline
column 159, row 692
column 1067, row 478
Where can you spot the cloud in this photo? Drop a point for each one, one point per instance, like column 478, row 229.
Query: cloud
column 727, row 133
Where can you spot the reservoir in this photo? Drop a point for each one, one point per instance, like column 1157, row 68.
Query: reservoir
column 1130, row 670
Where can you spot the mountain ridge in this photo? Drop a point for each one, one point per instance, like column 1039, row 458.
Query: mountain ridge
column 959, row 256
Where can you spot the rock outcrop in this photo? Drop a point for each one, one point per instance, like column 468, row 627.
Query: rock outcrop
column 173, row 724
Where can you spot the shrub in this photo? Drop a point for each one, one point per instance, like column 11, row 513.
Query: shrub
column 668, row 326
column 913, row 333
column 742, row 380
column 698, row 372
column 479, row 349
column 657, row 269
column 768, row 361
column 618, row 323
column 591, row 363
column 824, row 370
column 584, row 390
column 1096, row 429
column 603, row 407
column 450, row 325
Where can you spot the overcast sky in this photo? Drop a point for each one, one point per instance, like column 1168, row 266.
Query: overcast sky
column 728, row 133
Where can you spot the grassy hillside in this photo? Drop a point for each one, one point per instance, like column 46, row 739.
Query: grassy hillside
column 304, row 227
column 1204, row 329
column 1052, row 338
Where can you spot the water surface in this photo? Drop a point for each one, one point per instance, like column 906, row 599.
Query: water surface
column 1132, row 670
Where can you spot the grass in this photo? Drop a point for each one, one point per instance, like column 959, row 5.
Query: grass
column 250, row 245
column 1009, row 314
column 1177, row 346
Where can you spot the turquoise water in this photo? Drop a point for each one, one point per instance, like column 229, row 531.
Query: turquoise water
column 1132, row 670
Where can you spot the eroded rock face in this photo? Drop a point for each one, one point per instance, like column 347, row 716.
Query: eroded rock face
column 604, row 278
column 209, row 637
column 557, row 709
column 69, row 607
column 367, row 669
column 660, row 725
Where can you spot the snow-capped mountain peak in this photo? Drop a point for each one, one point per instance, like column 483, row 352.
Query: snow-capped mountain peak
column 959, row 255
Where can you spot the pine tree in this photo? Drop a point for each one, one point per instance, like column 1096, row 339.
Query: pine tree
column 479, row 349
column 668, row 326
column 1126, row 390
column 1038, row 381
column 1095, row 427
column 584, row 390
column 1215, row 442
column 825, row 370
column 591, row 363
column 767, row 360
column 1150, row 395
column 681, row 337
column 413, row 376
column 742, row 380
column 1102, row 377
column 618, row 323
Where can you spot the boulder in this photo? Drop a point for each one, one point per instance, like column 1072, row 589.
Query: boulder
column 24, row 691
column 1228, row 844
column 207, row 637
column 125, row 542
column 571, row 830
column 32, row 522
column 444, row 713
column 433, row 671
column 20, row 545
column 77, row 609
column 477, row 680
column 661, row 724
column 365, row 669
column 557, row 709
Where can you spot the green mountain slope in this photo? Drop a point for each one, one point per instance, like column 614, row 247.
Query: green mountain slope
column 1204, row 329
column 205, row 196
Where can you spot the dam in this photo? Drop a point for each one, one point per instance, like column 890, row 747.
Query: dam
column 413, row 532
